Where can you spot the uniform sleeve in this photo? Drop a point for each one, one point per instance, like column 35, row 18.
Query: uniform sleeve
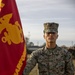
column 31, row 62
column 69, row 64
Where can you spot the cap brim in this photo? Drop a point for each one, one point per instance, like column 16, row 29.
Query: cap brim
column 48, row 30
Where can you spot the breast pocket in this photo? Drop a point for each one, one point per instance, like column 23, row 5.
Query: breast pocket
column 60, row 66
column 42, row 62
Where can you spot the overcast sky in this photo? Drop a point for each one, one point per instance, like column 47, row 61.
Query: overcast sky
column 34, row 13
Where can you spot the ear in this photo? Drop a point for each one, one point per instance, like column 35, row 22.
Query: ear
column 44, row 36
column 57, row 36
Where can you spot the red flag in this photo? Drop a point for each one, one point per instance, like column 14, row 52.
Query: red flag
column 12, row 44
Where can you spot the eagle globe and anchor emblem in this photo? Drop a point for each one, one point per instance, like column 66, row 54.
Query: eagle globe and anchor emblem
column 11, row 30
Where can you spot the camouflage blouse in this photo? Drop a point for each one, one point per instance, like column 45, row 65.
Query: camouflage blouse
column 57, row 61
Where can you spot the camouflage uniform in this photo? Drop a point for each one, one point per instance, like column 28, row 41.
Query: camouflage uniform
column 56, row 61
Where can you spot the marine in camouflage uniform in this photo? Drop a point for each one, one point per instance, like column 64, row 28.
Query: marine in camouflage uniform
column 51, row 61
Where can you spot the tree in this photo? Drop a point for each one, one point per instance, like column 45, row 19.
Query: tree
column 27, row 40
column 31, row 44
column 28, row 43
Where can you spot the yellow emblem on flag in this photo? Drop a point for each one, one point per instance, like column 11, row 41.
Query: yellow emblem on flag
column 11, row 30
